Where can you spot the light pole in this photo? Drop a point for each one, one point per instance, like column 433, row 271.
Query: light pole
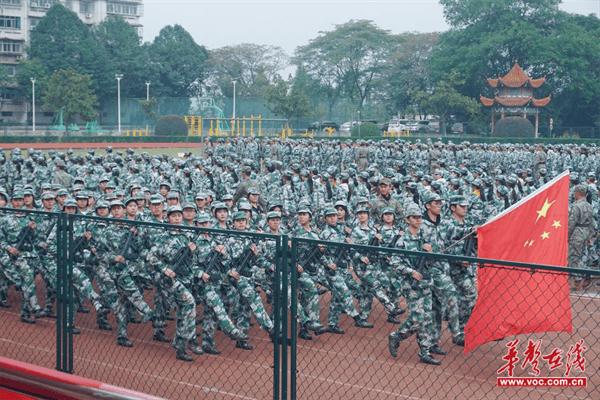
column 234, row 82
column 147, row 91
column 32, row 103
column 358, row 124
column 118, row 77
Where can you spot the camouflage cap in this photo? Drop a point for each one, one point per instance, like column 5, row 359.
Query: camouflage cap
column 304, row 211
column 18, row 194
column 458, row 200
column 253, row 190
column 238, row 215
column 413, row 210
column 62, row 192
column 341, row 203
column 28, row 192
column 330, row 211
column 172, row 195
column 70, row 202
column 580, row 189
column 165, row 183
column 361, row 210
column 385, row 181
column 173, row 209
column 388, row 210
column 140, row 196
column 273, row 214
column 219, row 206
column 188, row 205
column 117, row 203
column 81, row 195
column 156, row 199
column 429, row 197
column 47, row 196
column 243, row 206
column 200, row 196
column 203, row 218
column 227, row 197
column 102, row 204
column 129, row 200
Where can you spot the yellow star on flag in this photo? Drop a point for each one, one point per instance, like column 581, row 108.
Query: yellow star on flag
column 544, row 210
column 556, row 224
column 545, row 235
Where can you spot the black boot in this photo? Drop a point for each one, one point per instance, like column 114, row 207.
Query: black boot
column 28, row 319
column 159, row 336
column 195, row 347
column 316, row 327
column 75, row 330
column 244, row 345
column 180, row 351
column 211, row 350
column 4, row 303
column 83, row 309
column 436, row 349
column 459, row 341
column 50, row 312
column 125, row 342
column 335, row 329
column 304, row 334
column 393, row 344
column 427, row 359
column 103, row 324
column 393, row 320
column 362, row 323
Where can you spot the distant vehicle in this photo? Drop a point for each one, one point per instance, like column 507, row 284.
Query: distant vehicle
column 397, row 126
column 346, row 127
column 458, row 128
column 321, row 126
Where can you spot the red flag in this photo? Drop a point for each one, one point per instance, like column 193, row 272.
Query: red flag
column 515, row 301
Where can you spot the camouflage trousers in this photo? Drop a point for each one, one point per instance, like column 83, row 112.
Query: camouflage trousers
column 576, row 255
column 127, row 292
column 445, row 301
column 214, row 313
column 46, row 266
column 371, row 286
column 420, row 316
column 392, row 283
column 464, row 281
column 308, row 296
column 341, row 299
column 249, row 302
column 20, row 272
column 186, row 310
column 84, row 287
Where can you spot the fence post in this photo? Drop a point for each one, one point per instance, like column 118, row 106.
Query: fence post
column 68, row 351
column 293, row 319
column 60, row 289
column 284, row 316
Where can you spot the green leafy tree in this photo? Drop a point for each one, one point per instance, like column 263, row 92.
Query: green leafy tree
column 31, row 69
column 177, row 63
column 71, row 92
column 126, row 54
column 445, row 100
column 348, row 61
column 287, row 100
column 62, row 41
column 253, row 66
column 487, row 37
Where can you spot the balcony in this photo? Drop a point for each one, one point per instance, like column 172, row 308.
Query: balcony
column 10, row 3
column 126, row 9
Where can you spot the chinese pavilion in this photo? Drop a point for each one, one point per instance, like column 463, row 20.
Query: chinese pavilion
column 513, row 97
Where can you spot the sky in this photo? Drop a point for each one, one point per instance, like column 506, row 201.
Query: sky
column 291, row 23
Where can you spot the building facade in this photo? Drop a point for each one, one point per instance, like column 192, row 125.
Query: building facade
column 19, row 17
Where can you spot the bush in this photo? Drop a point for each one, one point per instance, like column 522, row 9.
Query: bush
column 366, row 129
column 171, row 125
column 514, row 127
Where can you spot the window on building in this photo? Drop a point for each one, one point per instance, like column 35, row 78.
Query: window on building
column 85, row 7
column 10, row 47
column 122, row 8
column 16, row 3
column 7, row 113
column 10, row 22
column 42, row 3
column 33, row 23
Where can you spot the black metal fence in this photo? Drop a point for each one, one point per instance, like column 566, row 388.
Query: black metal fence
column 322, row 345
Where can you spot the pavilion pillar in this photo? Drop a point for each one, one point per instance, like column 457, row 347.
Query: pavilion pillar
column 537, row 123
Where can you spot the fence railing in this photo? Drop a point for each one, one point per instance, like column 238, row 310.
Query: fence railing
column 348, row 313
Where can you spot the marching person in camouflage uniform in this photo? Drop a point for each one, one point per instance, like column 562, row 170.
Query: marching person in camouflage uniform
column 419, row 283
column 581, row 228
column 46, row 251
column 168, row 257
column 19, row 232
column 444, row 292
column 114, row 246
column 243, row 252
column 368, row 272
column 336, row 259
column 459, row 239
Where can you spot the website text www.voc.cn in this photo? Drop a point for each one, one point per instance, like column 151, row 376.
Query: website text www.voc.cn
column 542, row 381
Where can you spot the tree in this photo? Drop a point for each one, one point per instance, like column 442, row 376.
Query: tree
column 62, row 41
column 488, row 37
column 407, row 72
column 123, row 48
column 254, row 67
column 349, row 60
column 287, row 100
column 31, row 69
column 445, row 100
column 177, row 62
column 71, row 92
